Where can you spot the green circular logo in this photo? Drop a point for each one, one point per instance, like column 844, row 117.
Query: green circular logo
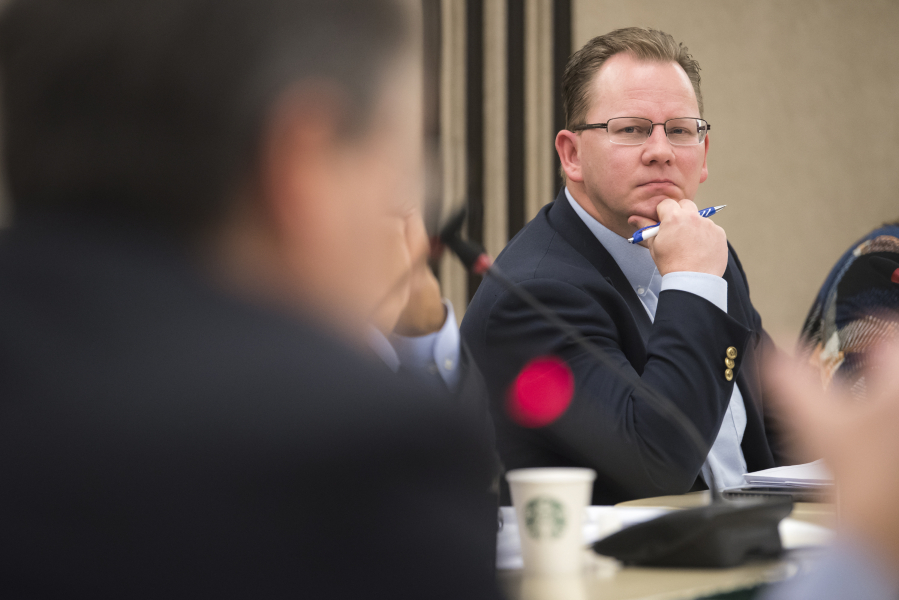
column 544, row 517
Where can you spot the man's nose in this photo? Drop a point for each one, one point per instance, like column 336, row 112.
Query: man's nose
column 657, row 148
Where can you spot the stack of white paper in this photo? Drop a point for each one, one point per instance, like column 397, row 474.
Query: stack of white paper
column 813, row 474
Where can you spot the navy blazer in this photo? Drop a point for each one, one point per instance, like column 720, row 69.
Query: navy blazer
column 160, row 438
column 635, row 451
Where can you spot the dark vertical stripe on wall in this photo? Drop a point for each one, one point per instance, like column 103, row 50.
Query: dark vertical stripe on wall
column 433, row 40
column 515, row 136
column 561, row 52
column 474, row 126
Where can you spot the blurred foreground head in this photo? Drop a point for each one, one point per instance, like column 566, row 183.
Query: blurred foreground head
column 281, row 138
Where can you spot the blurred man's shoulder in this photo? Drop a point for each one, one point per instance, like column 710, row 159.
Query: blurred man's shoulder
column 121, row 308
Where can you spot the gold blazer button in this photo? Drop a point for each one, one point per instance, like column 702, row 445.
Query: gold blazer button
column 729, row 374
column 729, row 363
column 731, row 353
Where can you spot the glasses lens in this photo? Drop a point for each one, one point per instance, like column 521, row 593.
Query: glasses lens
column 686, row 132
column 629, row 131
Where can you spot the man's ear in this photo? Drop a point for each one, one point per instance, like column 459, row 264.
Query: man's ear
column 705, row 165
column 299, row 153
column 567, row 145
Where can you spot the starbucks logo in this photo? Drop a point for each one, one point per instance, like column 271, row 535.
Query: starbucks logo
column 544, row 517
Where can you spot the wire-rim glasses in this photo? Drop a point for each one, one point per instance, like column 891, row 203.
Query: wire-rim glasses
column 634, row 131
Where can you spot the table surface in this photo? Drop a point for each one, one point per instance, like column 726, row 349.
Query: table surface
column 649, row 583
column 818, row 513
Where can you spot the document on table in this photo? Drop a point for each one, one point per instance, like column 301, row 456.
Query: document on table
column 813, row 474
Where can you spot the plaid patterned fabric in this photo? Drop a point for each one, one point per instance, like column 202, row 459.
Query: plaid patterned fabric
column 856, row 308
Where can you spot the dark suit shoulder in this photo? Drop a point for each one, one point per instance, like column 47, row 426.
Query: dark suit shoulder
column 537, row 253
column 524, row 252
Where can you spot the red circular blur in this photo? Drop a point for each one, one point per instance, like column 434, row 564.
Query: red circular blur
column 895, row 276
column 541, row 393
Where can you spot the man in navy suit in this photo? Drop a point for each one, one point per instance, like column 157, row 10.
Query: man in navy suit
column 210, row 200
column 675, row 311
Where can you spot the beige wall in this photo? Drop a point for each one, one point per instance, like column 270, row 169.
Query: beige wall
column 803, row 98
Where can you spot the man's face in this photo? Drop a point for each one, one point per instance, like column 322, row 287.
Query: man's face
column 621, row 181
column 350, row 247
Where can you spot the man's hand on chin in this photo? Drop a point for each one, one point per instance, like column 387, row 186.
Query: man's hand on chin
column 424, row 312
column 686, row 241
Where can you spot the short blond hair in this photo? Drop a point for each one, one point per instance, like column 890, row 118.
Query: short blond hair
column 642, row 43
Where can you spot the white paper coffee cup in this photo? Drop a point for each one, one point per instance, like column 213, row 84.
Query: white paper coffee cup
column 554, row 587
column 549, row 505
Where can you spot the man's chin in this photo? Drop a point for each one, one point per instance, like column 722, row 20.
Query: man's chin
column 647, row 210
column 647, row 206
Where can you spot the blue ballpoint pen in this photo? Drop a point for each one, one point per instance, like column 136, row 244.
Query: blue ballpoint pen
column 650, row 231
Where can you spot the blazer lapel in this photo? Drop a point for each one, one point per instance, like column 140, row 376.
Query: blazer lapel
column 569, row 225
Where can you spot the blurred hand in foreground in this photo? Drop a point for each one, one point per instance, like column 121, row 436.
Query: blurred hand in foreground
column 858, row 440
column 424, row 312
column 414, row 306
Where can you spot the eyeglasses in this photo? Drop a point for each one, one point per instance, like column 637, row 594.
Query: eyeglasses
column 633, row 131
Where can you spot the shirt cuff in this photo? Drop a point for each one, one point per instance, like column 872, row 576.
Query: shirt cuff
column 433, row 354
column 704, row 285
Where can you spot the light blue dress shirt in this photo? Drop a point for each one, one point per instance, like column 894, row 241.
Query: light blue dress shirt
column 726, row 458
column 433, row 357
column 436, row 354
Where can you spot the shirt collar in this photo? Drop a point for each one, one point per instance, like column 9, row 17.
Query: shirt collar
column 634, row 260
column 379, row 343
